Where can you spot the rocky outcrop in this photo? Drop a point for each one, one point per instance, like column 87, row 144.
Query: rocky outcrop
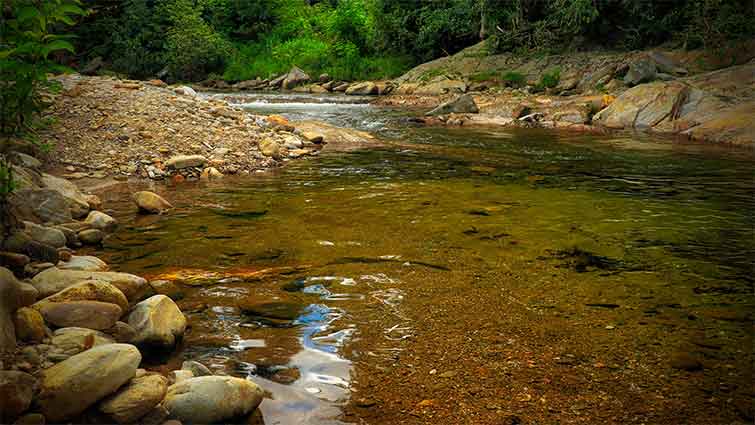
column 151, row 203
column 461, row 105
column 135, row 399
column 158, row 322
column 71, row 386
column 211, row 399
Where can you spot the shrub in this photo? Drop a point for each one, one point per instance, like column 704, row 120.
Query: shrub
column 513, row 79
column 549, row 79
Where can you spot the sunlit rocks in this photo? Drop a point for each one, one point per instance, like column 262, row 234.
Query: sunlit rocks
column 67, row 342
column 135, row 399
column 101, row 221
column 179, row 162
column 85, row 263
column 73, row 385
column 29, row 324
column 84, row 314
column 54, row 280
column 150, row 202
column 157, row 321
column 210, row 399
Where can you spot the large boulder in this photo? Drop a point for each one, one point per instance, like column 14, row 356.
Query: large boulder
column 150, row 202
column 179, row 162
column 22, row 243
column 136, row 399
column 84, row 263
column 88, row 290
column 77, row 201
column 641, row 70
column 16, row 392
column 30, row 325
column 158, row 322
column 294, row 78
column 362, row 89
column 54, row 280
column 210, row 399
column 101, row 221
column 71, row 386
column 463, row 104
column 83, row 314
column 45, row 235
column 72, row 341
column 41, row 205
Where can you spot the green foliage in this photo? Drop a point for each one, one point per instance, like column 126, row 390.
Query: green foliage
column 514, row 79
column 549, row 79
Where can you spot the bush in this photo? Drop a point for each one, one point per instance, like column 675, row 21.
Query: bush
column 513, row 79
column 549, row 79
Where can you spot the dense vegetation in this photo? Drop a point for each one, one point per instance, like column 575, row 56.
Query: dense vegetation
column 364, row 39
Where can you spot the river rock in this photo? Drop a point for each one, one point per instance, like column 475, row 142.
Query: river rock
column 21, row 243
column 45, row 235
column 54, row 280
column 151, row 203
column 73, row 385
column 13, row 261
column 88, row 290
column 210, row 173
column 185, row 91
column 101, row 221
column 641, row 70
column 441, row 86
column 84, row 263
column 180, row 375
column 167, row 288
column 25, row 160
column 341, row 88
column 31, row 419
column 122, row 332
column 91, row 236
column 157, row 321
column 362, row 89
column 26, row 294
column 179, row 162
column 30, row 325
column 463, row 104
column 72, row 239
column 72, row 341
column 77, row 201
column 40, row 205
column 196, row 368
column 16, row 393
column 83, row 314
column 8, row 305
column 136, row 399
column 294, row 78
column 270, row 148
column 210, row 399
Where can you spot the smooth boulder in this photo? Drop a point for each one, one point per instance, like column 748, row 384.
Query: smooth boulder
column 83, row 314
column 16, row 393
column 45, row 235
column 210, row 399
column 84, row 263
column 158, row 322
column 71, row 386
column 54, row 280
column 179, row 162
column 30, row 325
column 8, row 304
column 91, row 236
column 136, row 399
column 71, row 341
column 362, row 89
column 88, row 290
column 101, row 221
column 150, row 202
column 294, row 78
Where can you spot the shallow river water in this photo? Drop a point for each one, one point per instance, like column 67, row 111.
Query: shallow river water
column 311, row 278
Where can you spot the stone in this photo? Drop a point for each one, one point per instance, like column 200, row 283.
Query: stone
column 91, row 236
column 180, row 162
column 84, row 263
column 45, row 235
column 325, row 78
column 84, row 314
column 41, row 205
column 640, row 71
column 441, row 86
column 70, row 387
column 54, row 280
column 26, row 295
column 93, row 66
column 8, row 305
column 312, row 137
column 72, row 341
column 25, row 160
column 31, row 419
column 185, row 91
column 122, row 332
column 16, row 392
column 64, row 254
column 88, row 290
column 156, row 416
column 30, row 325
column 150, row 202
column 71, row 238
column 167, row 288
column 520, row 111
column 210, row 399
column 463, row 104
column 270, row 148
column 21, row 243
column 158, row 322
column 196, row 368
column 362, row 89
column 685, row 361
column 279, row 122
column 135, row 399
column 101, row 221
column 13, row 261
column 341, row 88
column 180, row 375
column 77, row 201
column 294, row 78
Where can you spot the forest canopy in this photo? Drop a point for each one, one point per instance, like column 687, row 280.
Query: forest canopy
column 368, row 39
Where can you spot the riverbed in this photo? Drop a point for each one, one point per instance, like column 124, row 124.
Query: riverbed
column 456, row 275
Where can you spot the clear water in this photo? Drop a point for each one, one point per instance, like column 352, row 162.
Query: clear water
column 325, row 250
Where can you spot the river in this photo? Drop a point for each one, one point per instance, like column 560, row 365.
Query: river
column 458, row 275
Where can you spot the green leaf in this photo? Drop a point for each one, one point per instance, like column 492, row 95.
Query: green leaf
column 57, row 45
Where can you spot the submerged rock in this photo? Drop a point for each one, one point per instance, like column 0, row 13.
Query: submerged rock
column 73, row 385
column 136, row 399
column 157, row 321
column 463, row 104
column 151, row 203
column 210, row 399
